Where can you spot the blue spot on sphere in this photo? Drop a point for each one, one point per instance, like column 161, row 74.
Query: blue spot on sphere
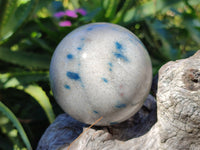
column 120, row 105
column 105, row 80
column 121, row 56
column 73, row 75
column 70, row 56
column 67, row 87
column 110, row 64
column 90, row 28
column 118, row 45
column 79, row 48
column 96, row 112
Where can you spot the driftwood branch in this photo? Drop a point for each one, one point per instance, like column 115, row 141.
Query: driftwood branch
column 174, row 124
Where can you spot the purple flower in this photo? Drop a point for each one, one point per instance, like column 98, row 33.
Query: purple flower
column 81, row 11
column 66, row 23
column 59, row 14
column 71, row 13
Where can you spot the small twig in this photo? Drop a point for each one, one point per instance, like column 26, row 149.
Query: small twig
column 85, row 131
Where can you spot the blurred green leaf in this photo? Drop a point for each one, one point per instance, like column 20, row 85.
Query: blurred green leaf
column 13, row 15
column 42, row 44
column 42, row 4
column 122, row 11
column 28, row 60
column 48, row 26
column 137, row 13
column 193, row 25
column 161, row 33
column 111, row 8
column 75, row 3
column 90, row 5
column 105, row 4
column 90, row 16
column 8, row 113
column 40, row 96
column 5, row 143
column 12, row 80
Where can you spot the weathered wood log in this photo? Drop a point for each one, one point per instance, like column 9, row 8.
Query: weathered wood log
column 176, row 126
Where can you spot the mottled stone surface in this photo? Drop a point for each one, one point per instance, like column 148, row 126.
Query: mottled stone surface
column 178, row 116
column 101, row 69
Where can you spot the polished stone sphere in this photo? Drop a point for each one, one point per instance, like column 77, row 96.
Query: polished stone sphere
column 100, row 69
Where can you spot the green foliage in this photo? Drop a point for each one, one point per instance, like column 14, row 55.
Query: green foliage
column 29, row 34
column 26, row 59
column 6, row 116
column 14, row 13
column 17, row 79
column 39, row 95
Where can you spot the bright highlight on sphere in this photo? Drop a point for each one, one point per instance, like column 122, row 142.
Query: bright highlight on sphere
column 101, row 69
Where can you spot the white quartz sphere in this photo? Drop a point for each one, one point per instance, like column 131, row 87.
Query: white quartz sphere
column 100, row 69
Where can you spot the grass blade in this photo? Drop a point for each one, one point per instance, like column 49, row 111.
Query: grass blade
column 7, row 112
column 40, row 96
column 111, row 10
column 120, row 14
